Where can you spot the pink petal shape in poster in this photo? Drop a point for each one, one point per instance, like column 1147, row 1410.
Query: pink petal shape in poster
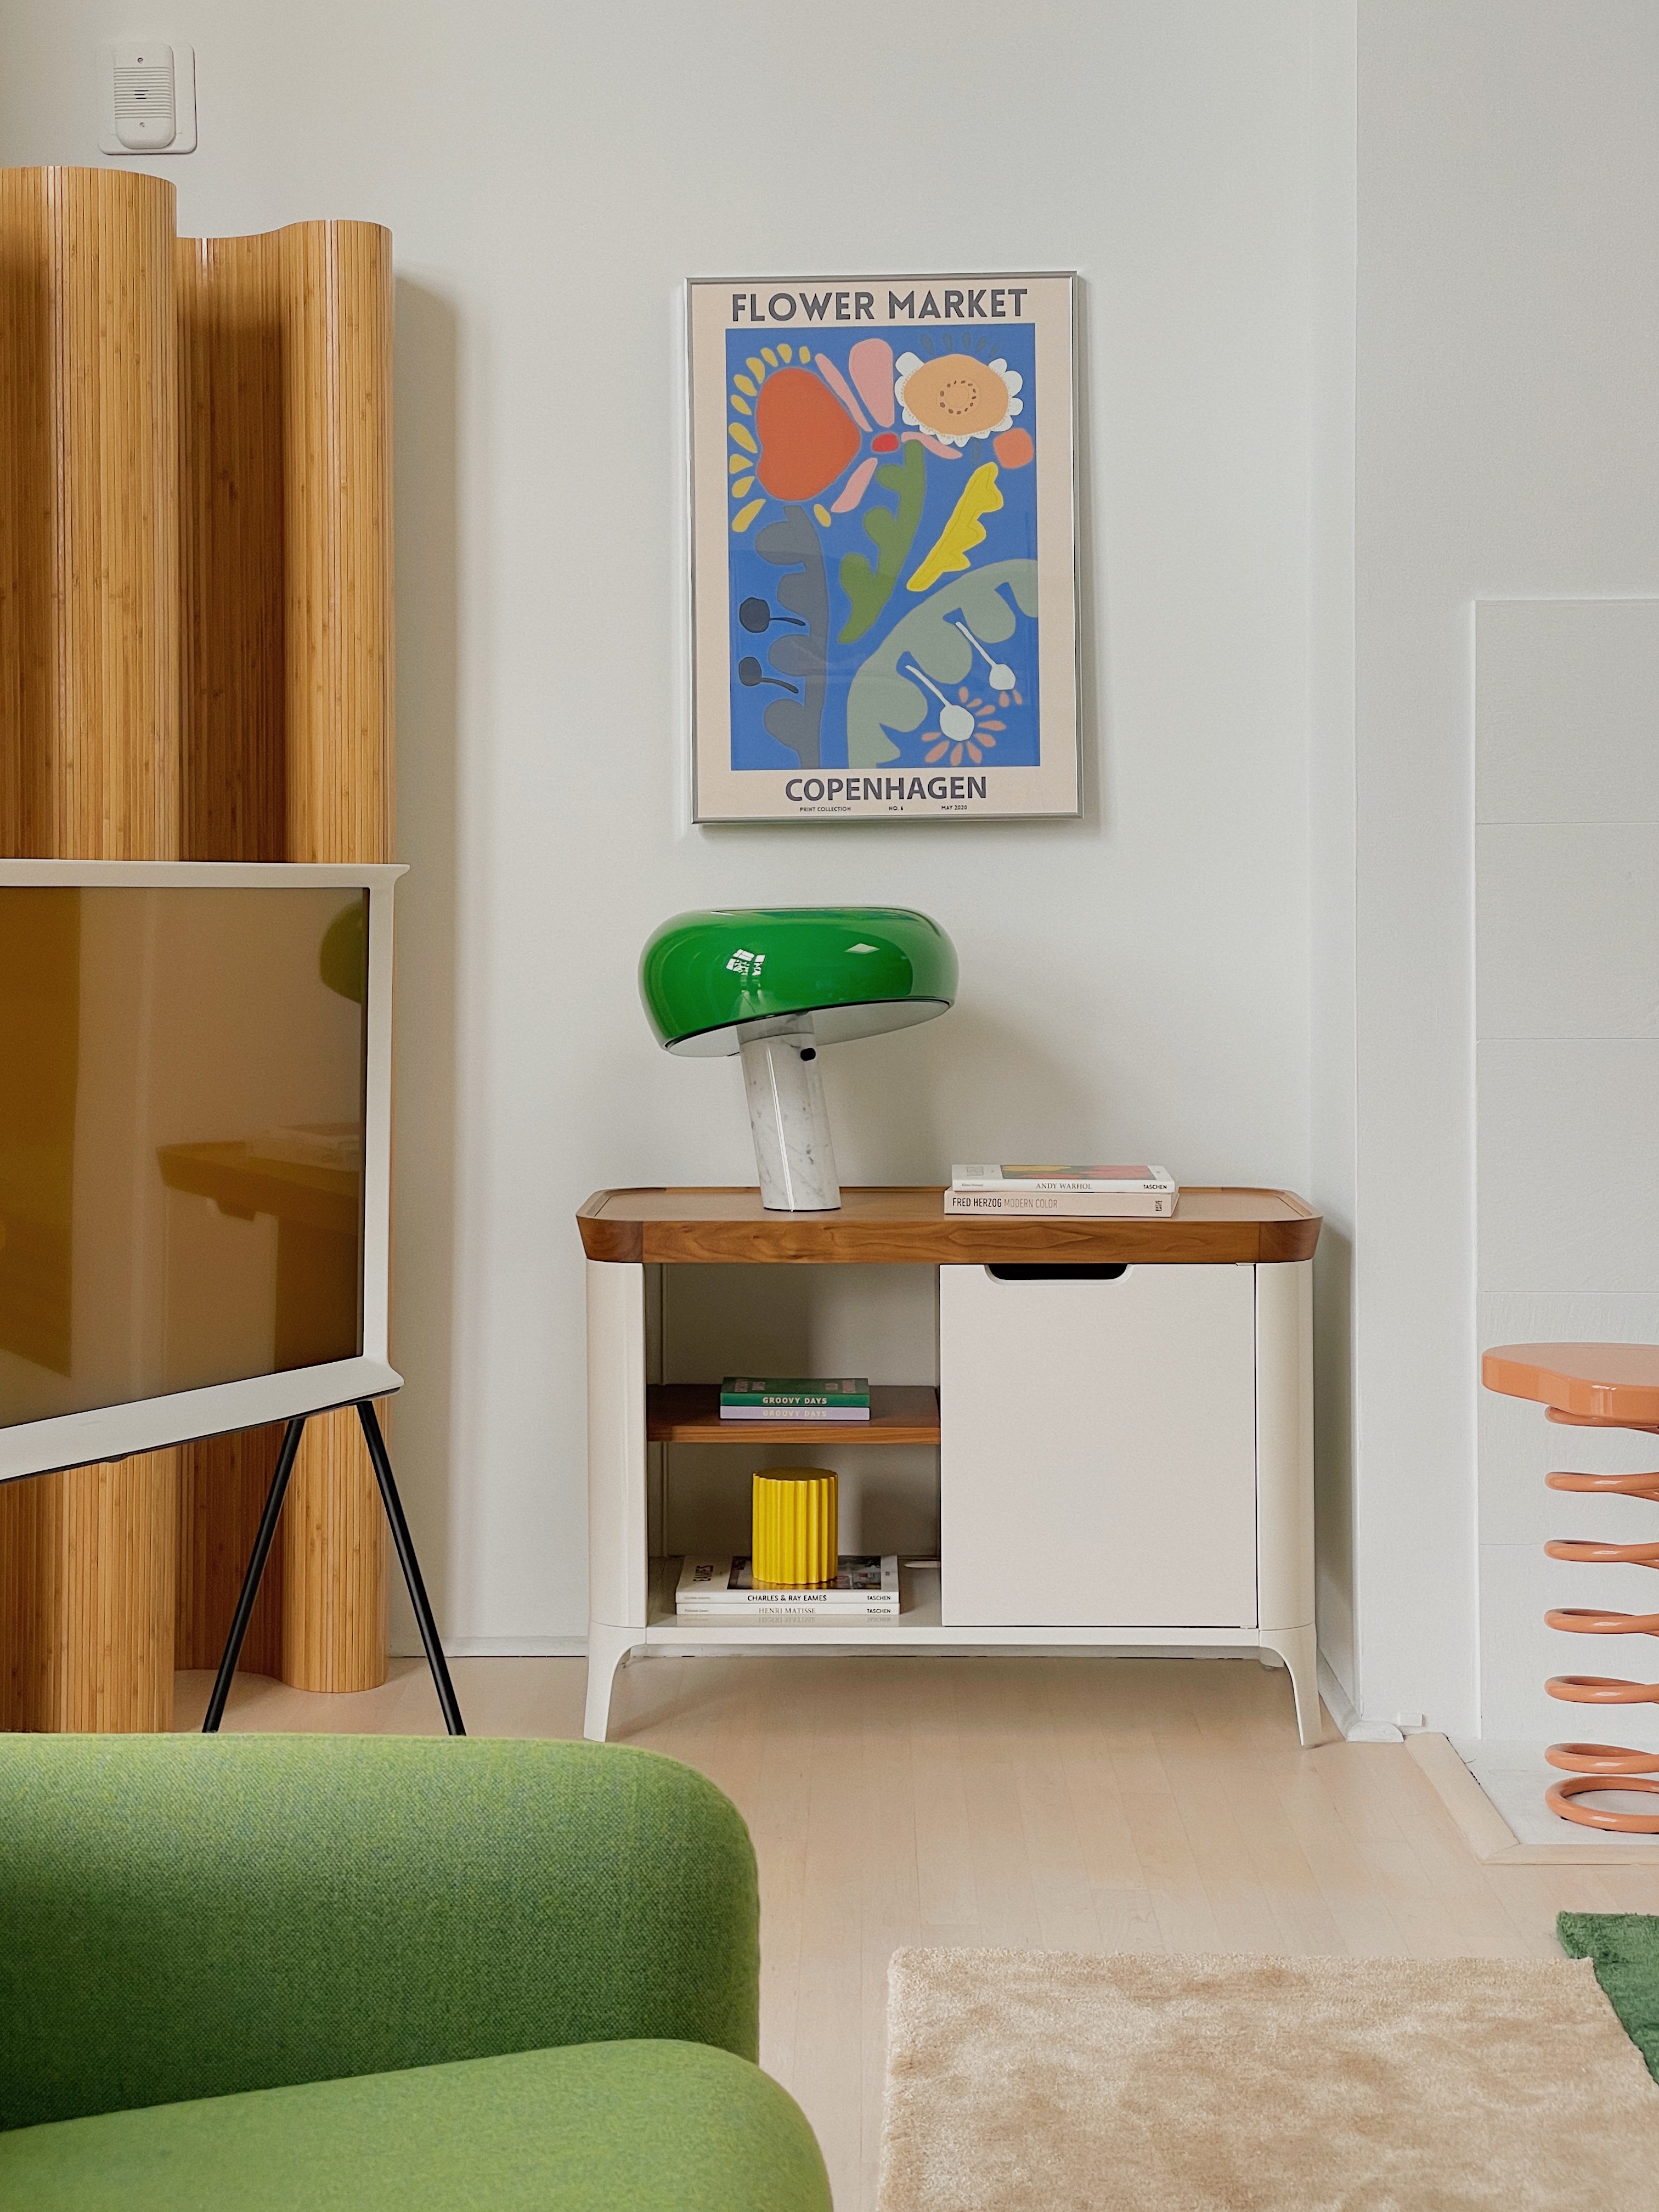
column 871, row 363
column 837, row 383
column 933, row 444
column 857, row 484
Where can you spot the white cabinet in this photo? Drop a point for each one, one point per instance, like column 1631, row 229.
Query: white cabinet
column 1097, row 1450
column 1124, row 1427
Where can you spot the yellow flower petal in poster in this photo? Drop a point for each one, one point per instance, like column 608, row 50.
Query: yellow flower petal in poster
column 744, row 385
column 742, row 437
column 737, row 464
column 756, row 369
column 962, row 532
column 745, row 515
column 742, row 485
column 742, row 405
column 823, row 514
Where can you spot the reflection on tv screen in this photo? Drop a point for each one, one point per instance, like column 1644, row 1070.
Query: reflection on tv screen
column 181, row 1139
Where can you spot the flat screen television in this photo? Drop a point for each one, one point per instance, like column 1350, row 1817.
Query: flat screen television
column 195, row 1156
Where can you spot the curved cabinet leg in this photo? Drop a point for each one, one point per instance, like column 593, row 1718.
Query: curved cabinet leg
column 618, row 1540
column 1299, row 1650
column 607, row 1647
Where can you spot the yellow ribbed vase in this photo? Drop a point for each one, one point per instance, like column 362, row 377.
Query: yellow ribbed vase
column 795, row 1536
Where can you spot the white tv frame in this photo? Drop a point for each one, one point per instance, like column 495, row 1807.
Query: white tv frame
column 141, row 1425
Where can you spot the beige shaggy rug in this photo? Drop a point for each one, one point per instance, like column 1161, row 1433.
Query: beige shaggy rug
column 1037, row 2079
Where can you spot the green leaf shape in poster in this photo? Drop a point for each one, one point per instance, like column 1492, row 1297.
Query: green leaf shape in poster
column 879, row 699
column 891, row 532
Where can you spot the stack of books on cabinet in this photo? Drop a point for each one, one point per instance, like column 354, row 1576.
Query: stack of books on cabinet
column 723, row 1588
column 795, row 1398
column 1064, row 1193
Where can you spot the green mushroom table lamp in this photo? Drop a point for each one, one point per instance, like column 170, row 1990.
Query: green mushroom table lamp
column 774, row 984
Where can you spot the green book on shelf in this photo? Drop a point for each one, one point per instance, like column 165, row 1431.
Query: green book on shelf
column 795, row 1398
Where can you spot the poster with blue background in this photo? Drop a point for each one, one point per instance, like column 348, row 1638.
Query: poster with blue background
column 883, row 547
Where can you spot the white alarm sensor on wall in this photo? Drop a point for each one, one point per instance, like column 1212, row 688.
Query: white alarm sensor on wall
column 147, row 97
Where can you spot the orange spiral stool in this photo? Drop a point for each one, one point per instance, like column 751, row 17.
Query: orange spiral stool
column 1595, row 1386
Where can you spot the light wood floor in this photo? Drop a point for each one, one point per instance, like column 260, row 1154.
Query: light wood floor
column 1066, row 1804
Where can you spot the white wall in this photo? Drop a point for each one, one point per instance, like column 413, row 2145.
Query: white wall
column 1353, row 358
column 1332, row 977
column 1138, row 979
column 1507, row 446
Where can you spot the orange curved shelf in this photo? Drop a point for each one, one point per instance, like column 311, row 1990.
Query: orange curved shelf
column 1612, row 1382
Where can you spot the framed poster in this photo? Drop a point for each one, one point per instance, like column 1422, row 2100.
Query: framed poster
column 883, row 548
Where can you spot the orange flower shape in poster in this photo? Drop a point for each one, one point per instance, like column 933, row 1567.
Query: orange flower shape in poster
column 985, row 731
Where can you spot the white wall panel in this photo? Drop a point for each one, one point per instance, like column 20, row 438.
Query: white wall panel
column 1567, row 724
column 1568, row 1165
column 1567, row 929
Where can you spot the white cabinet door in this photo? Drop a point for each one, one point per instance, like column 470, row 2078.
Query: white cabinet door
column 1097, row 1449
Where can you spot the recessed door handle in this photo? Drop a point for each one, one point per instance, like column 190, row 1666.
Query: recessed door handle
column 1104, row 1270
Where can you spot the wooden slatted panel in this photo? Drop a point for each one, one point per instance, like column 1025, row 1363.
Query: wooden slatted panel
column 286, row 492
column 231, row 510
column 336, row 335
column 89, row 667
column 336, row 344
column 233, row 720
column 195, row 659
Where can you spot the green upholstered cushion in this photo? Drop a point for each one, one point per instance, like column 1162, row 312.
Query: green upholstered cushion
column 1626, row 1948
column 665, row 2127
column 187, row 1917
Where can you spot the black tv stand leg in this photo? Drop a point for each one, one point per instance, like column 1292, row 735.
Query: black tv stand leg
column 406, row 1559
column 251, row 1579
column 403, row 1544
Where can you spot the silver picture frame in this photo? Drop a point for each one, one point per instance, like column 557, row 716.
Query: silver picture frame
column 883, row 504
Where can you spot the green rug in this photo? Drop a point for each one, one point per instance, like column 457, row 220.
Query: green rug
column 1625, row 1947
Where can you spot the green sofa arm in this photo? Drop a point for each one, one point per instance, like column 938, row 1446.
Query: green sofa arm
column 187, row 1917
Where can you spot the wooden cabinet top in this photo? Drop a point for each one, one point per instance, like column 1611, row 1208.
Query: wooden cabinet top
column 900, row 1225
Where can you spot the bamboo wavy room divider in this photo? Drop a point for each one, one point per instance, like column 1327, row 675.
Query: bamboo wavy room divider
column 195, row 662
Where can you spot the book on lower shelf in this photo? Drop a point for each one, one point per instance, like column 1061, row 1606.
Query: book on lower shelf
column 795, row 1398
column 723, row 1588
column 1129, row 1193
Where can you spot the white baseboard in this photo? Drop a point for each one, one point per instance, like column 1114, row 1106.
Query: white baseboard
column 1339, row 1706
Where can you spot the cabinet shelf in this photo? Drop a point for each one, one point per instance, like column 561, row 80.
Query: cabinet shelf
column 689, row 1413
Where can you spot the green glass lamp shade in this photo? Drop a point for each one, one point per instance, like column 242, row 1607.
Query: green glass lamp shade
column 855, row 969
